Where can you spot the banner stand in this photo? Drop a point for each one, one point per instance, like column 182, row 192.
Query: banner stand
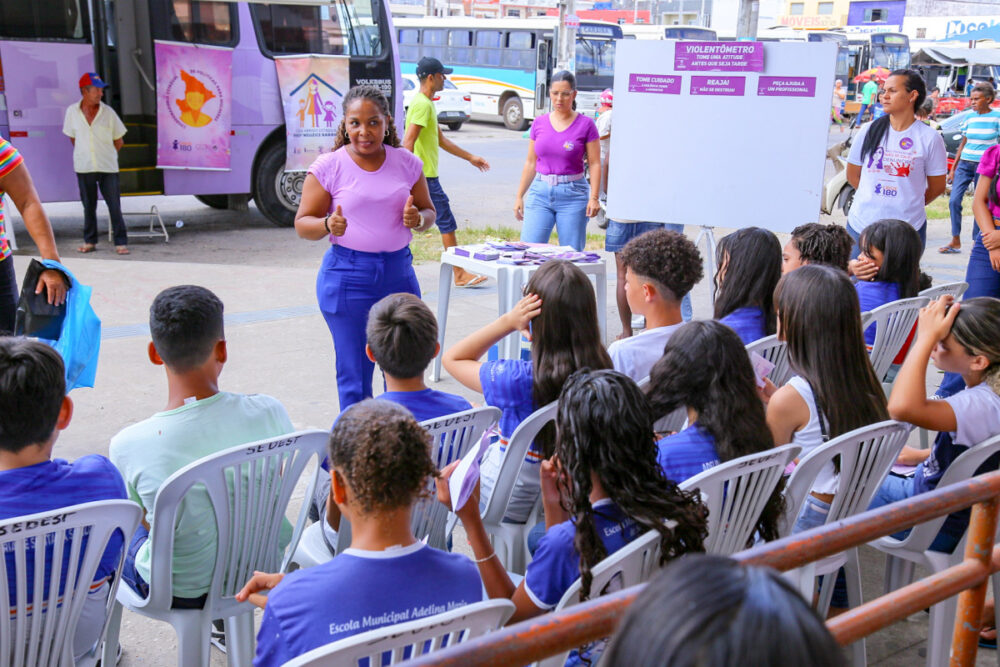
column 708, row 233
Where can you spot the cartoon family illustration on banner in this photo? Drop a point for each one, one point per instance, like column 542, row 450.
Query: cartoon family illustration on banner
column 193, row 106
column 312, row 90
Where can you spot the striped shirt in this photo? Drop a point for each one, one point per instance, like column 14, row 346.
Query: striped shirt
column 9, row 160
column 748, row 322
column 57, row 483
column 981, row 131
column 687, row 453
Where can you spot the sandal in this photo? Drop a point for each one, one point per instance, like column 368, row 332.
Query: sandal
column 87, row 247
column 949, row 250
column 988, row 642
column 122, row 250
column 472, row 281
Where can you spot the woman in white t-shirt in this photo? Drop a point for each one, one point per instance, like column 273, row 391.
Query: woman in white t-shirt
column 897, row 165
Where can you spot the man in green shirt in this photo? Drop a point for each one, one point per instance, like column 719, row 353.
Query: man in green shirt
column 423, row 137
column 868, row 94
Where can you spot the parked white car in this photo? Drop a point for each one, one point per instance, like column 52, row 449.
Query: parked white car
column 453, row 106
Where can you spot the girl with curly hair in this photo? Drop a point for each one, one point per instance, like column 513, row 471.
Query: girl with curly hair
column 381, row 464
column 601, row 489
column 365, row 198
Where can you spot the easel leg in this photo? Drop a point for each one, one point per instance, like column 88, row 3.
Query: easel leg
column 708, row 233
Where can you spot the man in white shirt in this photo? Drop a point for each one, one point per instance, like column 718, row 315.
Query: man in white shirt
column 96, row 132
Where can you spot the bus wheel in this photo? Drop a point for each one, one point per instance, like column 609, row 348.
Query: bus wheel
column 513, row 114
column 277, row 193
column 215, row 201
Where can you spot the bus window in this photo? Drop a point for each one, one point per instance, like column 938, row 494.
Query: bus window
column 459, row 48
column 434, row 42
column 45, row 19
column 293, row 29
column 409, row 44
column 489, row 43
column 195, row 21
column 595, row 57
column 520, row 51
column 364, row 34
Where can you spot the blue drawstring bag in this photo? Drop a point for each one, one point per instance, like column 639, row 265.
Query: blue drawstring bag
column 79, row 341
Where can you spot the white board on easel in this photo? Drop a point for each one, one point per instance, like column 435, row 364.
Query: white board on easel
column 729, row 134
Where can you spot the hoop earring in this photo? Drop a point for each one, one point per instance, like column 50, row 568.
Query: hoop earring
column 387, row 133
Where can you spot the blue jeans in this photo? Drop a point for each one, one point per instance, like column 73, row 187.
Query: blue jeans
column 856, row 249
column 896, row 488
column 135, row 581
column 445, row 219
column 348, row 285
column 965, row 173
column 563, row 206
column 983, row 281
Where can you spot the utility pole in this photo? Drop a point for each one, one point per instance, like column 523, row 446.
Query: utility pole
column 566, row 53
column 746, row 25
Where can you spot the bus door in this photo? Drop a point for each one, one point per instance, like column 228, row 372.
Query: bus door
column 45, row 47
column 542, row 74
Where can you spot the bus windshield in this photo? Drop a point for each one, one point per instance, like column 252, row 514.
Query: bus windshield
column 680, row 32
column 890, row 51
column 344, row 27
column 595, row 57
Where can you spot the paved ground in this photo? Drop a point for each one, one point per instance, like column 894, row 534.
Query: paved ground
column 279, row 344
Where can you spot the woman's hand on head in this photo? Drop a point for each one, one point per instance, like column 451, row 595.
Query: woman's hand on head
column 527, row 309
column 260, row 581
column 937, row 318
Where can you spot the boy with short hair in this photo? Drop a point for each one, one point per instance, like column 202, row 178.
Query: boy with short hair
column 661, row 267
column 814, row 243
column 34, row 408
column 402, row 339
column 186, row 325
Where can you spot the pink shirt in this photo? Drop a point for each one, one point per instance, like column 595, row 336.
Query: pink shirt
column 988, row 169
column 562, row 152
column 371, row 201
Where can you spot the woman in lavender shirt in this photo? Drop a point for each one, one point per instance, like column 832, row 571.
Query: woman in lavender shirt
column 365, row 198
column 555, row 170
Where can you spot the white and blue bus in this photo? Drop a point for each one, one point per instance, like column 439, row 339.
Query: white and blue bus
column 505, row 65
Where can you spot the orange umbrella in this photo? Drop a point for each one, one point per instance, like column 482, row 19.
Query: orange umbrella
column 877, row 73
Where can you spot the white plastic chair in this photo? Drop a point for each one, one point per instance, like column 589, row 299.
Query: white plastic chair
column 903, row 555
column 631, row 565
column 954, row 289
column 736, row 493
column 510, row 540
column 671, row 423
column 411, row 639
column 775, row 351
column 248, row 519
column 28, row 638
column 453, row 436
column 893, row 323
column 866, row 455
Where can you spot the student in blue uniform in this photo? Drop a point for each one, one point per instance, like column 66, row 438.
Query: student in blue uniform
column 749, row 262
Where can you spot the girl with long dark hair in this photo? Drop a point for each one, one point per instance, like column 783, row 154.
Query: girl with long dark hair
column 749, row 263
column 705, row 368
column 601, row 489
column 896, row 165
column 559, row 315
column 893, row 248
column 564, row 158
column 365, row 198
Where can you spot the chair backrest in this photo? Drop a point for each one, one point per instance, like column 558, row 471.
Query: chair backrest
column 775, row 351
column 893, row 323
column 394, row 644
column 736, row 493
column 954, row 289
column 248, row 514
column 513, row 458
column 866, row 455
column 960, row 470
column 453, row 436
column 670, row 423
column 27, row 637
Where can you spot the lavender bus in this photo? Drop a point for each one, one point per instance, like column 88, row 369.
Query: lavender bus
column 45, row 46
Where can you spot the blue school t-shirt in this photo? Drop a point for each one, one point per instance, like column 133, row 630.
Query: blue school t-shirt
column 507, row 385
column 427, row 403
column 687, row 453
column 748, row 322
column 360, row 591
column 58, row 483
column 871, row 295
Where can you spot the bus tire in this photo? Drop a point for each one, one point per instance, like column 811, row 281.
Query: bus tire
column 276, row 193
column 513, row 114
column 214, row 201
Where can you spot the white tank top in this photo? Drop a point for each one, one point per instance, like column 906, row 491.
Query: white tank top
column 810, row 436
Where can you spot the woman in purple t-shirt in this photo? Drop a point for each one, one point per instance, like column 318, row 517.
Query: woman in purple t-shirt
column 555, row 171
column 365, row 197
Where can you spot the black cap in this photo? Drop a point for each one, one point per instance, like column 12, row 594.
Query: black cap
column 428, row 66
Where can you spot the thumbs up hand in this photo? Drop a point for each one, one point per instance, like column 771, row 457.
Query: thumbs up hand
column 338, row 223
column 411, row 214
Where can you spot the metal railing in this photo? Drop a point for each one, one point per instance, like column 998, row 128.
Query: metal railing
column 589, row 621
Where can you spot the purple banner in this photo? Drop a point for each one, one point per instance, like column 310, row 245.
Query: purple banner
column 664, row 84
column 719, row 57
column 718, row 85
column 786, row 86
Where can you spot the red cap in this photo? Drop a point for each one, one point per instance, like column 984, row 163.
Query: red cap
column 92, row 79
